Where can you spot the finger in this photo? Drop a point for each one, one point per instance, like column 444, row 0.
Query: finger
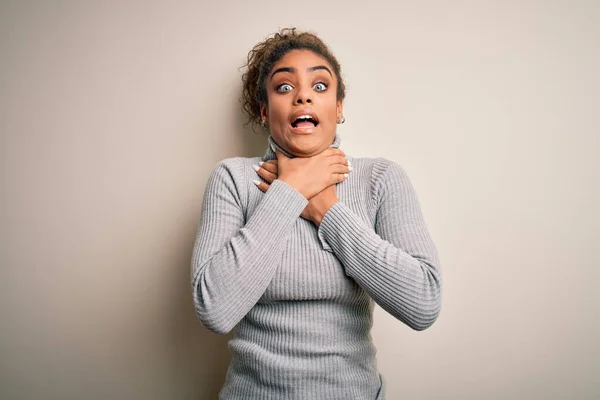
column 337, row 160
column 338, row 178
column 269, row 166
column 280, row 155
column 340, row 169
column 266, row 175
column 331, row 151
column 261, row 185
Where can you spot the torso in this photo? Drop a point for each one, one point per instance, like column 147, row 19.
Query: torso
column 309, row 334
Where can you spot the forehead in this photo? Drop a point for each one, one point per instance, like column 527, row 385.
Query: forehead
column 300, row 60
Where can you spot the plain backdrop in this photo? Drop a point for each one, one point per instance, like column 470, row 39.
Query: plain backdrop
column 113, row 114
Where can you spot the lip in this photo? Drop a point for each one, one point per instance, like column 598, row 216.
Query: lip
column 303, row 131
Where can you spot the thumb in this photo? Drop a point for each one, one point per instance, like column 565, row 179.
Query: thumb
column 280, row 155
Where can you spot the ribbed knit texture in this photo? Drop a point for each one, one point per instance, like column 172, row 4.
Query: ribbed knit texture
column 300, row 298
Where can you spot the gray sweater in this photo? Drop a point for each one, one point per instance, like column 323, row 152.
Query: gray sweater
column 300, row 298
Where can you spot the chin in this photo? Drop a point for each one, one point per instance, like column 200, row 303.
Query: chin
column 308, row 145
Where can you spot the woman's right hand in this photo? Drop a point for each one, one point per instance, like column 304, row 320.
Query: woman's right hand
column 311, row 175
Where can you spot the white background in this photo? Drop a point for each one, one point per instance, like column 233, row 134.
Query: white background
column 113, row 113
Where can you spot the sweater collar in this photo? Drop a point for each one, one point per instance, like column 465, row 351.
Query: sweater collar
column 270, row 154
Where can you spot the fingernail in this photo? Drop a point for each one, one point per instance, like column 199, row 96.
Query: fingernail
column 346, row 175
column 350, row 167
column 256, row 167
column 256, row 182
column 261, row 163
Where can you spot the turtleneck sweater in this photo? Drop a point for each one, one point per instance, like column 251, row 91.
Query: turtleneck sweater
column 298, row 297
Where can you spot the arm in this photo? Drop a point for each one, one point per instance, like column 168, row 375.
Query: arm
column 397, row 262
column 234, row 261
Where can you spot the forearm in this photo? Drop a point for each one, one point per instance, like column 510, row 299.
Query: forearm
column 406, row 282
column 231, row 278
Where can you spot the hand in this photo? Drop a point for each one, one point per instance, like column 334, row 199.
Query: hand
column 311, row 175
column 268, row 171
column 317, row 206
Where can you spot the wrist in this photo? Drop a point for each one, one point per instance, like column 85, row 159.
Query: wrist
column 293, row 184
column 320, row 212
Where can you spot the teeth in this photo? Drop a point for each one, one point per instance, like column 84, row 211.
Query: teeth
column 304, row 117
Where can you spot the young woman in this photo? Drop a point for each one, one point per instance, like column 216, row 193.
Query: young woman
column 294, row 248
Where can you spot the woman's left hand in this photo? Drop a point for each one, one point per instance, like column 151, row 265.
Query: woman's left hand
column 317, row 206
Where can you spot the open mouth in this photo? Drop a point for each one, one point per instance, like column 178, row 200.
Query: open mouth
column 305, row 121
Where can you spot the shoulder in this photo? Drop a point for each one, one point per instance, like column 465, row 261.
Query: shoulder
column 384, row 176
column 232, row 174
column 233, row 165
column 378, row 169
column 234, row 168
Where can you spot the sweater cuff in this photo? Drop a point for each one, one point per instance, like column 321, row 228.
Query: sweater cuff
column 281, row 202
column 335, row 225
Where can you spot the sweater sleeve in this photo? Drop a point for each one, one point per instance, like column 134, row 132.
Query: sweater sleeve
column 234, row 260
column 396, row 262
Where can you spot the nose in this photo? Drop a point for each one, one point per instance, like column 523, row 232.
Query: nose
column 303, row 96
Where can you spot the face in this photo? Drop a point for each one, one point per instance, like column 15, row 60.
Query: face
column 302, row 109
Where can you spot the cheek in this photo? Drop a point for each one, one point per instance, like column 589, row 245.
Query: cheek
column 277, row 113
column 330, row 104
column 331, row 113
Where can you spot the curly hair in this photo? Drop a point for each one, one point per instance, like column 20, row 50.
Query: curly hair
column 266, row 54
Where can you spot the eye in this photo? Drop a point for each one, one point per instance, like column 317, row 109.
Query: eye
column 320, row 86
column 284, row 87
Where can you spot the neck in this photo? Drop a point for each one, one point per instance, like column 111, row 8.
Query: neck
column 273, row 145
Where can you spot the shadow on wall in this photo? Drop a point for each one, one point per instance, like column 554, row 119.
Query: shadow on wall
column 251, row 143
column 201, row 356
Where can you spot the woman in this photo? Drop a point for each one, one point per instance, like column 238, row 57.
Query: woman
column 294, row 248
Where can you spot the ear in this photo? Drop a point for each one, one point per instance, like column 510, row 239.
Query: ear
column 339, row 108
column 264, row 111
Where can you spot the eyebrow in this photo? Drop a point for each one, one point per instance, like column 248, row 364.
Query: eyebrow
column 291, row 70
